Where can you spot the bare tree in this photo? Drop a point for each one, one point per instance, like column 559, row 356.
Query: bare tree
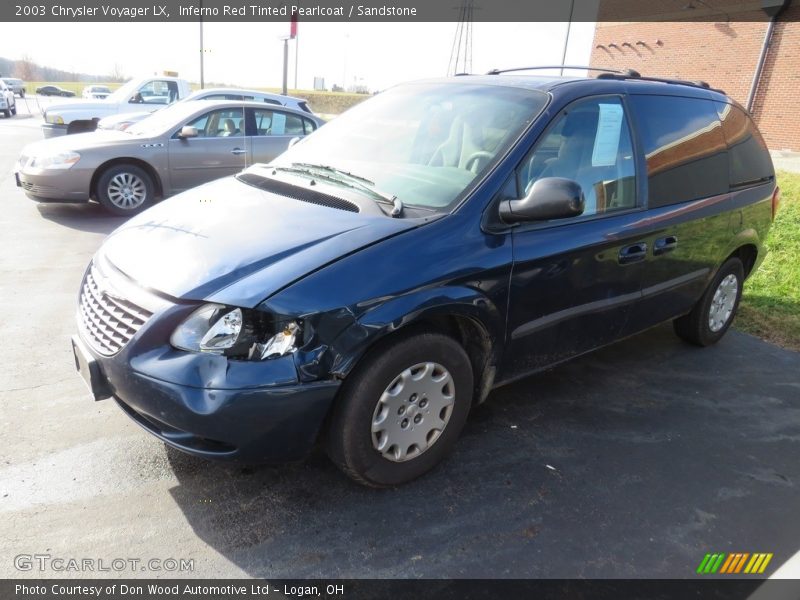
column 25, row 68
column 117, row 74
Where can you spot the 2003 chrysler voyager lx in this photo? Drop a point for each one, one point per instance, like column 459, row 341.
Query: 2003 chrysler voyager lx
column 445, row 237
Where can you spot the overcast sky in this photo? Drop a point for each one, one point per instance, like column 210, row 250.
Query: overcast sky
column 250, row 54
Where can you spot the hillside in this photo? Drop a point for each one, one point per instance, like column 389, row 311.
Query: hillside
column 28, row 70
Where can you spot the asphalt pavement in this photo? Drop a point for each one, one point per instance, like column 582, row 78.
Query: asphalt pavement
column 634, row 461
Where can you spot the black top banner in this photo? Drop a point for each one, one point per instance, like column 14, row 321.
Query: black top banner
column 388, row 10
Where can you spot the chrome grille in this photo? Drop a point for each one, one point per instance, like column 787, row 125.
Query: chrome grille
column 108, row 321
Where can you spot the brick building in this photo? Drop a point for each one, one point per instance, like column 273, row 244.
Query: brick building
column 726, row 53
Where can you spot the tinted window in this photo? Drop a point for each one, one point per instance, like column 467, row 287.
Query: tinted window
column 750, row 160
column 590, row 143
column 684, row 148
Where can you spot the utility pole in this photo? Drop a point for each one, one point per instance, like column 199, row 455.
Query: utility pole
column 285, row 65
column 202, row 56
column 566, row 39
column 296, row 55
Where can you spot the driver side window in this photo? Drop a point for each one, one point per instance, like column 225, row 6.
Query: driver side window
column 156, row 92
column 590, row 143
column 228, row 122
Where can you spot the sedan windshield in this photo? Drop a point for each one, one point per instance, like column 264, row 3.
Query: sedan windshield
column 161, row 121
column 423, row 143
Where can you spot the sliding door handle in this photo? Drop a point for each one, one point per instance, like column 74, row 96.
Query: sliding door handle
column 665, row 244
column 633, row 253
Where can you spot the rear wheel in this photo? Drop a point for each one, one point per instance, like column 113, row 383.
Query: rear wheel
column 401, row 411
column 7, row 114
column 125, row 189
column 714, row 312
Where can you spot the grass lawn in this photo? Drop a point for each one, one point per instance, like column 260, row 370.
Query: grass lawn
column 770, row 307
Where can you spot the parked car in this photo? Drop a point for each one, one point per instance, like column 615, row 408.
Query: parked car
column 96, row 92
column 123, row 121
column 54, row 90
column 441, row 239
column 180, row 147
column 136, row 95
column 8, row 104
column 17, row 85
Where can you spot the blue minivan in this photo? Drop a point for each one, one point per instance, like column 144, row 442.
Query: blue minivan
column 373, row 283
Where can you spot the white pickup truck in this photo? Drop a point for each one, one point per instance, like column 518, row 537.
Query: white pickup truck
column 136, row 95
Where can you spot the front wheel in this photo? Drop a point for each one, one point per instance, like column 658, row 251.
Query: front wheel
column 714, row 312
column 125, row 190
column 401, row 411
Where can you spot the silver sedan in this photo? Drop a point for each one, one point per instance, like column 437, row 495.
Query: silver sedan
column 173, row 150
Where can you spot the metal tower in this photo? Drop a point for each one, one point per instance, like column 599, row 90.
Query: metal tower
column 461, row 54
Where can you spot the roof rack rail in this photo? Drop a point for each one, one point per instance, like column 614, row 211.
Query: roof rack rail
column 631, row 74
column 584, row 67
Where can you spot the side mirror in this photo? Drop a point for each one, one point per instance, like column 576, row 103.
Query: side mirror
column 548, row 198
column 186, row 132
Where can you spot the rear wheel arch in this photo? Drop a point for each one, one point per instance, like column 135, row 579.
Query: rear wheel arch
column 748, row 254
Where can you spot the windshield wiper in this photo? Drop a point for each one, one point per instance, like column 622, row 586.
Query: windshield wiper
column 347, row 179
column 331, row 169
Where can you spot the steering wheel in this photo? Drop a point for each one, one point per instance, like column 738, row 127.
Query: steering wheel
column 471, row 164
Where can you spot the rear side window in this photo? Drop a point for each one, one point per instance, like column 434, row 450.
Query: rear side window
column 269, row 122
column 750, row 160
column 309, row 126
column 684, row 148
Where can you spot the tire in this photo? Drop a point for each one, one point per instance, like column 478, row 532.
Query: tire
column 7, row 114
column 697, row 327
column 125, row 190
column 411, row 367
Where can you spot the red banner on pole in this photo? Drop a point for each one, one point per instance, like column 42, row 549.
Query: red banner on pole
column 293, row 26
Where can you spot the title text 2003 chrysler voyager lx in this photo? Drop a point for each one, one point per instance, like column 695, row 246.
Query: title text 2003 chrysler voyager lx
column 445, row 237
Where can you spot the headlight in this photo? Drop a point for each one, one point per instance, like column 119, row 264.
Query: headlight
column 60, row 160
column 56, row 119
column 235, row 332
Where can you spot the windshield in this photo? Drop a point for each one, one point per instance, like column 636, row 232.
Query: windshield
column 424, row 143
column 173, row 116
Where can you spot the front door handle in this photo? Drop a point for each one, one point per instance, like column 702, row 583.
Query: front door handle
column 238, row 151
column 632, row 253
column 665, row 244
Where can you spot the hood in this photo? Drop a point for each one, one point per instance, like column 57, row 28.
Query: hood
column 96, row 108
column 80, row 141
column 133, row 117
column 232, row 243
